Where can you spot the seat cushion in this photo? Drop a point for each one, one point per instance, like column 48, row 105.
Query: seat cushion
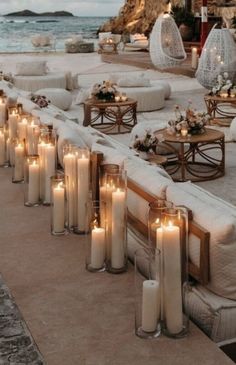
column 34, row 83
column 31, row 68
column 62, row 99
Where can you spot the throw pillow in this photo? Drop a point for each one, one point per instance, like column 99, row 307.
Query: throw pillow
column 61, row 98
column 31, row 68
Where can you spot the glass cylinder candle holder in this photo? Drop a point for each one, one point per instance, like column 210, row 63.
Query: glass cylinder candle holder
column 96, row 237
column 58, row 205
column 32, row 137
column 83, row 188
column 19, row 156
column 2, row 147
column 156, row 208
column 70, row 155
column 22, row 128
column 172, row 241
column 3, row 111
column 147, row 293
column 116, row 218
column 32, row 181
column 12, row 121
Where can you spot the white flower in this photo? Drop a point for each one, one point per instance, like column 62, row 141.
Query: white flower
column 226, row 75
column 219, row 79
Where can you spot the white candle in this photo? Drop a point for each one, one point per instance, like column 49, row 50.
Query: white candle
column 2, row 148
column 19, row 163
column 83, row 191
column 98, row 248
column 168, row 237
column 106, row 193
column 150, row 305
column 49, row 169
column 2, row 112
column 22, row 129
column 118, row 229
column 58, row 208
column 12, row 121
column 32, row 138
column 194, row 57
column 8, row 150
column 41, row 152
column 184, row 132
column 33, row 187
column 70, row 173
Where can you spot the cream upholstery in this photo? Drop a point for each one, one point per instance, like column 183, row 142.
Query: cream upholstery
column 62, row 99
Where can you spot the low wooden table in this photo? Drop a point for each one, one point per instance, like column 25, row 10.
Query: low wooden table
column 110, row 117
column 196, row 158
column 108, row 47
column 215, row 107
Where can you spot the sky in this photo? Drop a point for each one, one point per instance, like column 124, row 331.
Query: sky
column 77, row 7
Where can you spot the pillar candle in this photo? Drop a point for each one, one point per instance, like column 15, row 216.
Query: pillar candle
column 49, row 169
column 41, row 152
column 107, row 194
column 8, row 149
column 102, row 198
column 12, row 121
column 22, row 129
column 3, row 113
column 19, row 163
column 150, row 305
column 33, row 187
column 70, row 173
column 32, row 138
column 58, row 208
column 194, row 57
column 98, row 248
column 2, row 148
column 118, row 229
column 83, row 191
column 169, row 236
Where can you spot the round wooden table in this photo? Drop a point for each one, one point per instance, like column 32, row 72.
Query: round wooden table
column 197, row 157
column 110, row 117
column 221, row 110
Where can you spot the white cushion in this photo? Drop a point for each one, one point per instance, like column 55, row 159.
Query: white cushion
column 110, row 155
column 31, row 68
column 133, row 82
column 62, row 99
column 165, row 85
column 34, row 83
column 41, row 40
column 28, row 105
column 82, row 95
column 219, row 218
column 104, row 35
column 137, row 37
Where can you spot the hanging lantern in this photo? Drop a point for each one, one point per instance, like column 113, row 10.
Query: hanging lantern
column 218, row 55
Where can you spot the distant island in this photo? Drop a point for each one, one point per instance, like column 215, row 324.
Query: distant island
column 32, row 13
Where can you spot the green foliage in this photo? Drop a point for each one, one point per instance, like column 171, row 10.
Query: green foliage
column 182, row 16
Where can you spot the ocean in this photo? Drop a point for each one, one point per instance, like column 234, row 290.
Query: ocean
column 16, row 32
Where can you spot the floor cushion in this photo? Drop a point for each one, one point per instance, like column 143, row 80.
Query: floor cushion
column 34, row 83
column 59, row 97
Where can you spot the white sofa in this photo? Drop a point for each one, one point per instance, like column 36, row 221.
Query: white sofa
column 212, row 307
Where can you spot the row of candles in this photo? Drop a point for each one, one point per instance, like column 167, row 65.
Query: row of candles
column 32, row 152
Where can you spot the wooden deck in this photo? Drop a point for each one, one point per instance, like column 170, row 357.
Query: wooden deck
column 142, row 59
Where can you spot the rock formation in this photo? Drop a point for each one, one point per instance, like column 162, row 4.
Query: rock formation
column 32, row 13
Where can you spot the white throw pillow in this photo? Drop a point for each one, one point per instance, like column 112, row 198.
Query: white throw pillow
column 31, row 68
column 82, row 95
column 133, row 82
column 61, row 98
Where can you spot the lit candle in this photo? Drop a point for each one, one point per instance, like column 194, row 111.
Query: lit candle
column 224, row 94
column 8, row 150
column 12, row 121
column 2, row 112
column 117, row 230
column 83, row 191
column 106, row 192
column 117, row 98
column 22, row 129
column 184, row 132
column 19, row 163
column 2, row 148
column 98, row 248
column 32, row 138
column 150, row 305
column 123, row 97
column 168, row 238
column 33, row 187
column 41, row 152
column 49, row 169
column 70, row 173
column 194, row 57
column 58, row 208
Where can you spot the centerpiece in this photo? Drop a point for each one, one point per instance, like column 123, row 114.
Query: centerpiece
column 40, row 100
column 190, row 122
column 147, row 144
column 105, row 91
column 223, row 87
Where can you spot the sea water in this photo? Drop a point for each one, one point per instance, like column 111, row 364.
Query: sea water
column 16, row 32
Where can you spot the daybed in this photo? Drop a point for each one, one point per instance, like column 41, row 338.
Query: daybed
column 212, row 304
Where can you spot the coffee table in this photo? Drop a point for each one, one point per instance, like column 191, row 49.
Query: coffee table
column 217, row 108
column 196, row 158
column 110, row 117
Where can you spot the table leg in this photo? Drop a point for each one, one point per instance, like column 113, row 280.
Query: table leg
column 87, row 115
column 182, row 161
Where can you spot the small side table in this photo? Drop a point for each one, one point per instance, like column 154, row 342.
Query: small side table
column 110, row 117
column 108, row 47
column 214, row 106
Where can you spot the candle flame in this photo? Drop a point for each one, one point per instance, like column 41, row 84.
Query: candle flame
column 170, row 224
column 157, row 220
column 34, row 163
column 60, row 185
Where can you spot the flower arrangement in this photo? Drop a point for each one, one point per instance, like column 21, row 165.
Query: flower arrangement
column 223, row 86
column 192, row 121
column 147, row 143
column 6, row 77
column 40, row 100
column 105, row 91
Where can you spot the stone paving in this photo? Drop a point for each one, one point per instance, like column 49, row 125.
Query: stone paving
column 17, row 346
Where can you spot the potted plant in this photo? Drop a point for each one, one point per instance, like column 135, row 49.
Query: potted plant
column 185, row 21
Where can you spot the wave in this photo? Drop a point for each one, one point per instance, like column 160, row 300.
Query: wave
column 47, row 21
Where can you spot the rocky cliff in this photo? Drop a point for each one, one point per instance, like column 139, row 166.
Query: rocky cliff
column 32, row 13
